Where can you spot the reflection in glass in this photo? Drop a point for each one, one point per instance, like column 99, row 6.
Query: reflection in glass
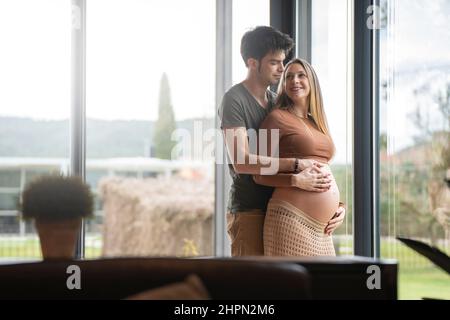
column 331, row 44
column 34, row 109
column 145, row 89
column 415, row 140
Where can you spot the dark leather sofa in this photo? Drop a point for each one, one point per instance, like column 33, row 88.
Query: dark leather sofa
column 122, row 277
column 346, row 277
column 224, row 278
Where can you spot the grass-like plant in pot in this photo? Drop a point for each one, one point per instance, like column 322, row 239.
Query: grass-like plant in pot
column 57, row 204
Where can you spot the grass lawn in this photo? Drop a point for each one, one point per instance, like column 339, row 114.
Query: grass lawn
column 30, row 248
column 425, row 283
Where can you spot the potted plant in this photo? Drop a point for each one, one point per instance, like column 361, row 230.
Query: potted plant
column 57, row 204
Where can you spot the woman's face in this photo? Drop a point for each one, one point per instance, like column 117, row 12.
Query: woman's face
column 296, row 84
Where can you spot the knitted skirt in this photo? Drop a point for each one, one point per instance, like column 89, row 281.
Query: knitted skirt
column 288, row 231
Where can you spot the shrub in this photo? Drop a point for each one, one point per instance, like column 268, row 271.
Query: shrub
column 56, row 197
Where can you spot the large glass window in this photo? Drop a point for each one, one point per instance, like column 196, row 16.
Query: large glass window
column 34, row 108
column 415, row 140
column 331, row 58
column 150, row 103
column 247, row 14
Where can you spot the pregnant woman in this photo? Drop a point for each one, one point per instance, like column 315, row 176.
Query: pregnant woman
column 296, row 219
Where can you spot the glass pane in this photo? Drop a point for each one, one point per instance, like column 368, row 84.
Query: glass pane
column 150, row 74
column 9, row 179
column 8, row 201
column 34, row 107
column 247, row 14
column 93, row 177
column 331, row 54
column 415, row 140
column 33, row 173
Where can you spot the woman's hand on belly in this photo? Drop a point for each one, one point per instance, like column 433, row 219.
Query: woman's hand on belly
column 313, row 179
column 306, row 163
column 321, row 205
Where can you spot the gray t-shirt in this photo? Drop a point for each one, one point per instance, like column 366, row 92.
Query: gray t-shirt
column 240, row 109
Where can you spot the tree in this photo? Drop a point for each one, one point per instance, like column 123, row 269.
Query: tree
column 435, row 210
column 412, row 182
column 165, row 124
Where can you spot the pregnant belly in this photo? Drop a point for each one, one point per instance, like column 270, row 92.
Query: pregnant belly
column 318, row 205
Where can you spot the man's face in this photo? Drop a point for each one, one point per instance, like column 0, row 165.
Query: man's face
column 271, row 67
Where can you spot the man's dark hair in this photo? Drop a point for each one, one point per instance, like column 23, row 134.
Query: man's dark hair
column 262, row 40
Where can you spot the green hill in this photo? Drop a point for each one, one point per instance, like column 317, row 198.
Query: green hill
column 24, row 137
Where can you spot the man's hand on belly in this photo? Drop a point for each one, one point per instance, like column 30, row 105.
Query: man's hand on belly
column 336, row 220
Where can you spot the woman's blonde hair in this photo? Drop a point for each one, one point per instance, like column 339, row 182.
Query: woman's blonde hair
column 315, row 109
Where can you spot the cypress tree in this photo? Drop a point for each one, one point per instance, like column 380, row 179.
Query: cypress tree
column 165, row 124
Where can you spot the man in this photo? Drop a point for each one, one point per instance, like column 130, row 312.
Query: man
column 243, row 108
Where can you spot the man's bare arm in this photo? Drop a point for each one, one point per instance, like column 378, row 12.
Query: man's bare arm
column 236, row 141
column 310, row 179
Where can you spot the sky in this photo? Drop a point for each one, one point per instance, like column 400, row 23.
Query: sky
column 130, row 43
column 415, row 52
column 129, row 46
